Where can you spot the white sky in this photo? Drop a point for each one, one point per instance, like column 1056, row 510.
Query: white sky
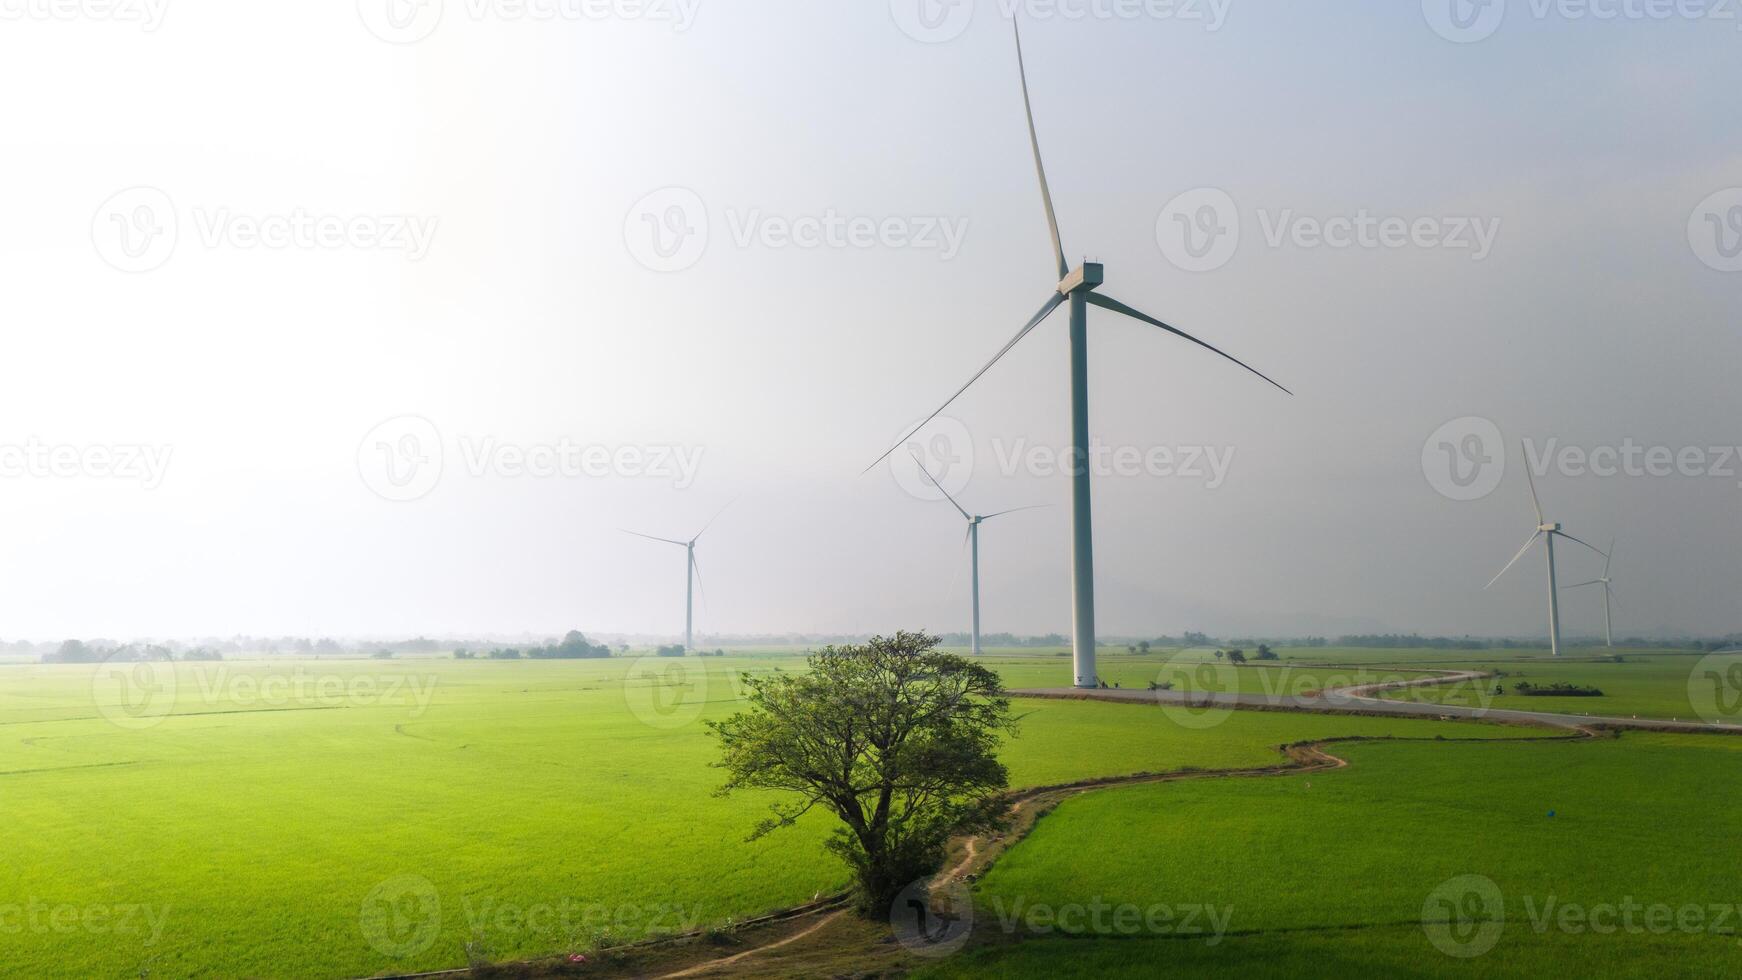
column 529, row 143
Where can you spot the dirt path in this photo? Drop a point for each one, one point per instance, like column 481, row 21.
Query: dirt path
column 712, row 965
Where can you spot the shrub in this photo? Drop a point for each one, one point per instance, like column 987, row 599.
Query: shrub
column 1558, row 690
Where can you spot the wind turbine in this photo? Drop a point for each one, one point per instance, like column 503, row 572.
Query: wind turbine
column 972, row 541
column 1608, row 594
column 1077, row 287
column 692, row 576
column 1548, row 531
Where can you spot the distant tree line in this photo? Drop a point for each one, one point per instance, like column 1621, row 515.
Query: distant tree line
column 1396, row 641
column 79, row 652
column 573, row 646
column 1004, row 640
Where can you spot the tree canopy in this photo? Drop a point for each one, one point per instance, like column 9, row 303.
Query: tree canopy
column 897, row 740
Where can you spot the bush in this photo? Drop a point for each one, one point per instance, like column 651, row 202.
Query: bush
column 1560, row 690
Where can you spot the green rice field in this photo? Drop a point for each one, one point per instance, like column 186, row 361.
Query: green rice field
column 351, row 818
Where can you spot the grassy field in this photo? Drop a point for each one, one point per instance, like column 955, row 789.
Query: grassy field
column 1329, row 874
column 1196, row 670
column 1656, row 685
column 1644, row 683
column 344, row 818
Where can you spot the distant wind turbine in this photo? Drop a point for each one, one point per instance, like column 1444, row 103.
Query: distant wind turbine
column 972, row 541
column 692, row 576
column 1078, row 287
column 1548, row 532
column 1608, row 594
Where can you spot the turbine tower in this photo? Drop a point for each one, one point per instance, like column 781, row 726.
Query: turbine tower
column 1078, row 287
column 692, row 577
column 1608, row 595
column 972, row 541
column 1548, row 531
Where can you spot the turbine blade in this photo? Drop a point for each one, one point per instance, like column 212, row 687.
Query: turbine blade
column 956, row 575
column 1535, row 501
column 1608, row 556
column 1595, row 581
column 696, row 568
column 1585, row 543
column 680, row 544
column 967, row 536
column 1514, row 560
column 1052, row 220
column 710, row 523
column 934, row 482
column 1109, row 303
column 1014, row 510
column 1052, row 303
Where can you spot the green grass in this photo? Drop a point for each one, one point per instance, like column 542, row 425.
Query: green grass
column 1380, row 951
column 253, row 822
column 1643, row 685
column 1647, row 683
column 1194, row 670
column 1333, row 869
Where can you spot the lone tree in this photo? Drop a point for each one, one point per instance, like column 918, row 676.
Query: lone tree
column 893, row 737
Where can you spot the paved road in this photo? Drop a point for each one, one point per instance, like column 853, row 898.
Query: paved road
column 1355, row 701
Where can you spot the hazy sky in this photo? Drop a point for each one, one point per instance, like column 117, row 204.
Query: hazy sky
column 265, row 268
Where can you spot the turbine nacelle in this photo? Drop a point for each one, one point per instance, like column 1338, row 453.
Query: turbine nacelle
column 1084, row 278
column 1554, row 528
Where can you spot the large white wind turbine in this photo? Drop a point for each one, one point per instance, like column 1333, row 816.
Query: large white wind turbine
column 1547, row 531
column 1078, row 287
column 1608, row 594
column 972, row 541
column 692, row 577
